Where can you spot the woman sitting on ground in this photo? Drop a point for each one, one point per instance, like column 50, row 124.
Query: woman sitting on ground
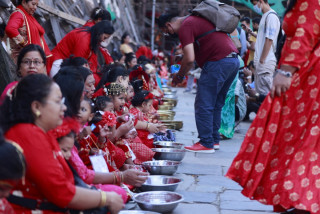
column 35, row 107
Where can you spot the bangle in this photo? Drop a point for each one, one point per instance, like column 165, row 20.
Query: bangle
column 114, row 178
column 103, row 200
column 248, row 77
column 284, row 73
column 147, row 126
column 118, row 177
column 121, row 177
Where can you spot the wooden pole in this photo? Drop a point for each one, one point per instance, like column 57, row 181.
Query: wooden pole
column 152, row 24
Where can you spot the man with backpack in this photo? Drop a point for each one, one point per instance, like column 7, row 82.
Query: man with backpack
column 216, row 54
column 264, row 56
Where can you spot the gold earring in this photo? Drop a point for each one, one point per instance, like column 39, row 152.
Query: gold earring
column 38, row 113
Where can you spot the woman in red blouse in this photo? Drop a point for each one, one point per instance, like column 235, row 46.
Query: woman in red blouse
column 23, row 29
column 35, row 107
column 82, row 42
column 278, row 163
column 97, row 15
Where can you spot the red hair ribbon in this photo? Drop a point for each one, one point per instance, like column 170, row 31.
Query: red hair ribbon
column 68, row 125
column 149, row 96
column 108, row 119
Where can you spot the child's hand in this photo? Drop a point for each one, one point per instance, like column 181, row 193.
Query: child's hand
column 131, row 134
column 162, row 127
column 123, row 118
column 85, row 132
column 134, row 177
column 153, row 128
column 126, row 127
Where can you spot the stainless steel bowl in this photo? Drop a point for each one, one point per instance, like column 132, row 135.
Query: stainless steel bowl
column 158, row 201
column 161, row 167
column 160, row 183
column 170, row 96
column 137, row 212
column 169, row 154
column 168, row 144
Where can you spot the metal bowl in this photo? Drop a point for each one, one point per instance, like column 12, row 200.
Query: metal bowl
column 177, row 124
column 170, row 96
column 173, row 113
column 169, row 154
column 170, row 101
column 160, row 183
column 161, row 167
column 137, row 212
column 165, row 107
column 168, row 144
column 169, row 92
column 158, row 201
column 165, row 117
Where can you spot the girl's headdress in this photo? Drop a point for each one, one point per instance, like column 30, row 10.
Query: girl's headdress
column 108, row 119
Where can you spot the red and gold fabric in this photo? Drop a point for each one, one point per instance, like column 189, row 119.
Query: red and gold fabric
column 23, row 24
column 278, row 163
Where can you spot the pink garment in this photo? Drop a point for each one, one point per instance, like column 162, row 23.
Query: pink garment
column 4, row 93
column 87, row 175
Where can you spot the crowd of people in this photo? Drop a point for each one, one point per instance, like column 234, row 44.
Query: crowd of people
column 277, row 78
column 78, row 122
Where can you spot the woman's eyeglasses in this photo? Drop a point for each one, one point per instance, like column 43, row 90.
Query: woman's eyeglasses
column 35, row 62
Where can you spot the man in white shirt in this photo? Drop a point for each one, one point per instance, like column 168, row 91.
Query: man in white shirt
column 264, row 57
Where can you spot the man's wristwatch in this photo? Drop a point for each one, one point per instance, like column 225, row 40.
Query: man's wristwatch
column 257, row 96
column 180, row 77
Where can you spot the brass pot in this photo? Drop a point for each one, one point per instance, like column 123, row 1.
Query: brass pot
column 173, row 102
column 166, row 106
column 165, row 117
column 173, row 113
column 177, row 124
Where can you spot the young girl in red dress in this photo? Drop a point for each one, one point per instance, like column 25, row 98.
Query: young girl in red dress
column 142, row 102
column 97, row 141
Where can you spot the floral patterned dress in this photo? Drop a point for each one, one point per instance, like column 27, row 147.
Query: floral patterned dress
column 278, row 163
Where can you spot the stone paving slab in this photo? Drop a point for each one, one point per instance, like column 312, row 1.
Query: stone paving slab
column 199, row 169
column 188, row 181
column 233, row 195
column 199, row 197
column 219, row 181
column 184, row 208
column 242, row 212
column 244, row 205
